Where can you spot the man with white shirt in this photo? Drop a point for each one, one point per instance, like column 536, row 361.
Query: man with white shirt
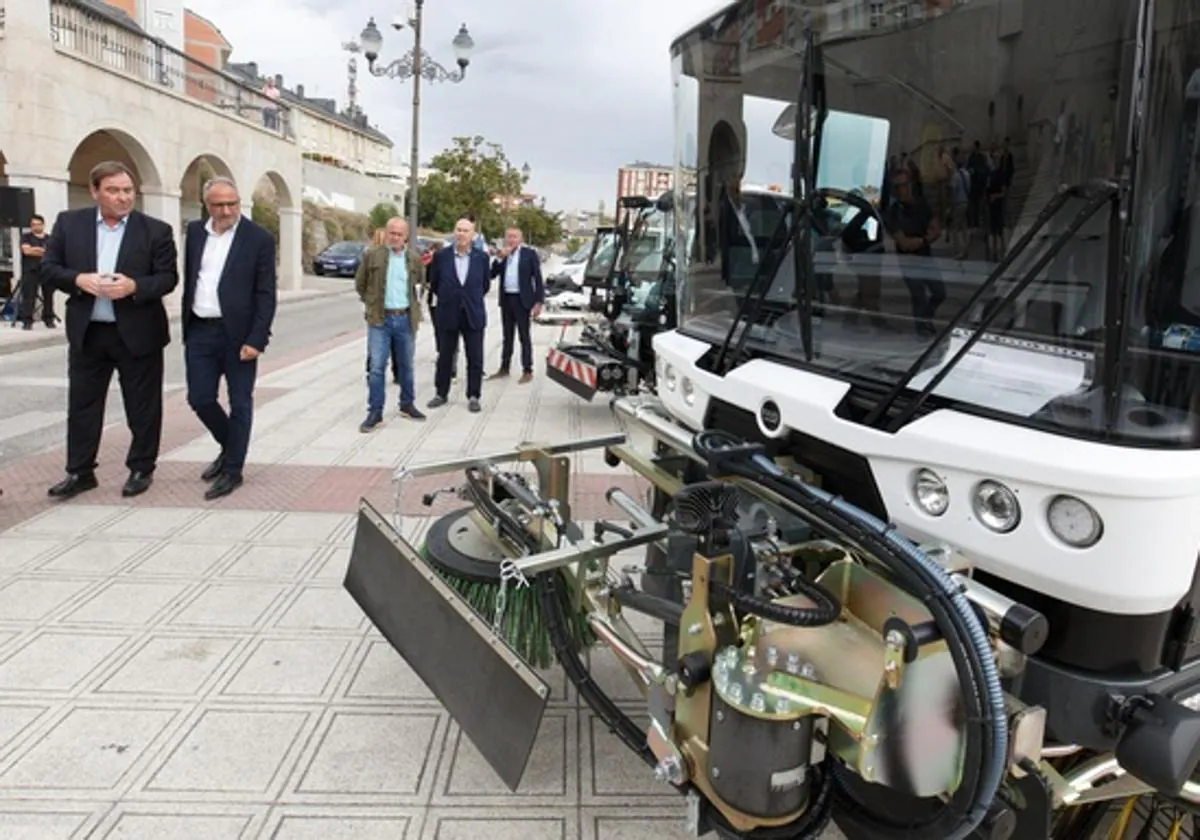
column 229, row 300
column 522, row 293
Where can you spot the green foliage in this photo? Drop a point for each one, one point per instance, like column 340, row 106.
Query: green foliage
column 380, row 214
column 574, row 244
column 541, row 228
column 467, row 178
column 267, row 215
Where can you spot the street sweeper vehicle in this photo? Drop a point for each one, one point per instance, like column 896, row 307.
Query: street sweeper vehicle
column 922, row 482
column 630, row 281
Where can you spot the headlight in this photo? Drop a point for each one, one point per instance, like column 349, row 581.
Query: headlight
column 689, row 391
column 996, row 506
column 931, row 493
column 669, row 379
column 1074, row 521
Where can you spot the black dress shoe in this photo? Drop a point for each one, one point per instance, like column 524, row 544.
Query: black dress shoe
column 214, row 469
column 223, row 486
column 137, row 484
column 73, row 485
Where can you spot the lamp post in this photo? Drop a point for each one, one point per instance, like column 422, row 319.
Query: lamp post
column 416, row 65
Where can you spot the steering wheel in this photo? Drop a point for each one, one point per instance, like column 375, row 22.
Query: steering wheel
column 853, row 235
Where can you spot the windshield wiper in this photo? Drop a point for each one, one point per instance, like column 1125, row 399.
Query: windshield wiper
column 1097, row 194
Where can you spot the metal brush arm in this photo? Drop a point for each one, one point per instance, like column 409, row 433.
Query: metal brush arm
column 576, row 552
column 522, row 452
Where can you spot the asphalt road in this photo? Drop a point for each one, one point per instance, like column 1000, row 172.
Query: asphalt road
column 33, row 383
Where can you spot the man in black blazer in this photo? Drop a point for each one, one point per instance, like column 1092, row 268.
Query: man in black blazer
column 115, row 264
column 229, row 300
column 522, row 293
column 459, row 279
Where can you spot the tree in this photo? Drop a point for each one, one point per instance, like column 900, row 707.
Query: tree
column 467, row 178
column 540, row 227
column 380, row 214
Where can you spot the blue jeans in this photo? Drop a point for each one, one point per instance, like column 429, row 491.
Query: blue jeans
column 394, row 335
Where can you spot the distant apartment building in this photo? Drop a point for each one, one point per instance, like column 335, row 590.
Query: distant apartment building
column 640, row 178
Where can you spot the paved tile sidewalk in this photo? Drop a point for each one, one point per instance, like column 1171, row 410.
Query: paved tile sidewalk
column 171, row 668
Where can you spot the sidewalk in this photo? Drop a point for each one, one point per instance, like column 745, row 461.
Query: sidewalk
column 13, row 339
column 171, row 668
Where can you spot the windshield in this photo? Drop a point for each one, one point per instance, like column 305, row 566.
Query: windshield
column 946, row 130
column 643, row 258
column 603, row 252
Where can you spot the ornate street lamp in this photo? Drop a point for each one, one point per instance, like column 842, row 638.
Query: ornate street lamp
column 417, row 65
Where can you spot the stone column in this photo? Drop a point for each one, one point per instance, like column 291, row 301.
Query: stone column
column 291, row 266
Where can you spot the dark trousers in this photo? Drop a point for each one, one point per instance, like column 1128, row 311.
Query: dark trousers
column 31, row 284
column 514, row 317
column 209, row 356
column 89, row 373
column 437, row 346
column 472, row 341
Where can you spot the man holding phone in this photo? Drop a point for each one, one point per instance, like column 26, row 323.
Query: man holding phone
column 115, row 264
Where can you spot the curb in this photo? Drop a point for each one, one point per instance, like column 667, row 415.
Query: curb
column 57, row 337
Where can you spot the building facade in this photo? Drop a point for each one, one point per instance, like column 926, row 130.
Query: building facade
column 645, row 179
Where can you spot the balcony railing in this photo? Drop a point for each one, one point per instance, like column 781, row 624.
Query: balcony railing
column 105, row 39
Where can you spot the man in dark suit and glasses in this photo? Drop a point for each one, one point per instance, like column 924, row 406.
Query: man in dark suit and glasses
column 459, row 278
column 522, row 293
column 115, row 264
column 229, row 300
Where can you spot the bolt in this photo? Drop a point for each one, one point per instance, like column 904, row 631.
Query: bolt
column 895, row 639
column 808, row 671
column 772, row 655
column 694, row 630
column 796, row 726
column 716, row 772
column 793, row 663
column 720, row 716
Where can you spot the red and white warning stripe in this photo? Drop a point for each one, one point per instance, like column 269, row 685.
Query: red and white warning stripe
column 572, row 367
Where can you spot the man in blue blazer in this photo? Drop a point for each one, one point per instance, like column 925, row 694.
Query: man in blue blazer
column 522, row 293
column 460, row 278
column 229, row 300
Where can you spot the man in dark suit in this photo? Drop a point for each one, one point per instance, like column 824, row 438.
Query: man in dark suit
column 115, row 264
column 522, row 293
column 459, row 279
column 229, row 299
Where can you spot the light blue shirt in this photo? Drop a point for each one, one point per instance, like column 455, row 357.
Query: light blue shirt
column 462, row 265
column 108, row 245
column 512, row 272
column 395, row 294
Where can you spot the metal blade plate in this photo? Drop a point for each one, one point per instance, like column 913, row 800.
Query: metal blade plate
column 495, row 698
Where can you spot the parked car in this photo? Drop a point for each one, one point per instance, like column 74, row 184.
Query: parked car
column 340, row 259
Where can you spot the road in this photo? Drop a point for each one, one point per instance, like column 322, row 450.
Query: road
column 33, row 383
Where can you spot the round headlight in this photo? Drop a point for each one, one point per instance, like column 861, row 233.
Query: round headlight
column 1074, row 521
column 996, row 506
column 669, row 378
column 930, row 492
column 689, row 391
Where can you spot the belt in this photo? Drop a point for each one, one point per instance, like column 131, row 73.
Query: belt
column 395, row 312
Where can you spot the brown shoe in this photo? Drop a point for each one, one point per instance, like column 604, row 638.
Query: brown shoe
column 525, row 379
column 500, row 374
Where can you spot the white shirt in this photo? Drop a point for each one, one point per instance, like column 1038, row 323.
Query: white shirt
column 212, row 264
column 512, row 272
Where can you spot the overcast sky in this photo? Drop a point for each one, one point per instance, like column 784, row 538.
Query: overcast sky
column 573, row 88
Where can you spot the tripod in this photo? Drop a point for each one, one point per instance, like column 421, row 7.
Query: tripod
column 34, row 308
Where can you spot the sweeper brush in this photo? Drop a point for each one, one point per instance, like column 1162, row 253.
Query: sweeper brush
column 474, row 565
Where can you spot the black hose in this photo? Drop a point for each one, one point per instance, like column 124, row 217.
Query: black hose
column 968, row 805
column 827, row 610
